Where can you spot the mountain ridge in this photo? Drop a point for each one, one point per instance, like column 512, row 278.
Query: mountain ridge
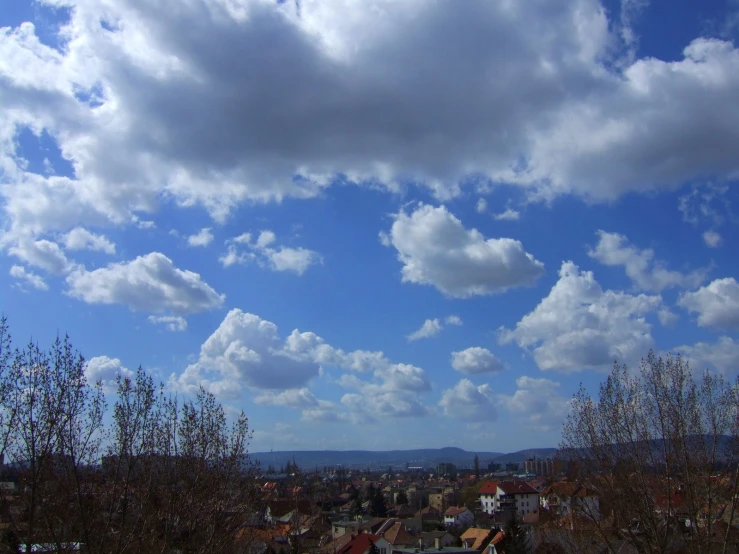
column 425, row 457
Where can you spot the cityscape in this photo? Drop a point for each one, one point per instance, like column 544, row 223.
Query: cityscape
column 369, row 276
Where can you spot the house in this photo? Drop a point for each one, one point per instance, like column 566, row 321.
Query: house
column 488, row 495
column 477, row 539
column 517, row 496
column 437, row 539
column 458, row 516
column 398, row 535
column 566, row 498
column 361, row 544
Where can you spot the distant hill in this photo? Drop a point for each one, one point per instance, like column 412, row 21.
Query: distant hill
column 426, row 457
column 523, row 455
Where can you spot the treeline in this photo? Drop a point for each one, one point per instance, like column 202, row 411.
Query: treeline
column 151, row 473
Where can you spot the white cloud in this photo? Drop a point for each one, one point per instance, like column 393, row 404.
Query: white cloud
column 667, row 317
column 537, row 402
column 476, row 360
column 429, row 328
column 265, row 239
column 481, row 206
column 508, row 215
column 105, row 370
column 246, row 351
column 557, row 119
column 647, row 273
column 312, row 408
column 43, row 254
column 712, row 239
column 722, row 355
column 467, row 402
column 283, row 258
column 202, row 238
column 20, row 273
column 393, row 393
column 291, row 398
column 717, row 304
column 297, row 260
column 172, row 322
column 580, row 326
column 80, row 238
column 453, row 320
column 150, row 283
column 435, row 249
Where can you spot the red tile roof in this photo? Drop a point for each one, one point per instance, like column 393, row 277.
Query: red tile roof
column 475, row 538
column 455, row 510
column 359, row 544
column 488, row 487
column 398, row 535
column 517, row 487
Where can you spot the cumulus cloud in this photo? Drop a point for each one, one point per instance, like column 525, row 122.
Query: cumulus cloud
column 640, row 265
column 303, row 399
column 723, row 355
column 717, row 304
column 508, row 215
column 259, row 250
column 580, row 326
column 429, row 328
column 476, row 360
column 394, row 392
column 202, row 238
column 105, row 370
column 246, row 351
column 556, row 119
column 537, row 402
column 150, row 283
column 80, row 238
column 28, row 277
column 712, row 239
column 171, row 322
column 43, row 254
column 432, row 327
column 435, row 249
column 481, row 206
column 468, row 402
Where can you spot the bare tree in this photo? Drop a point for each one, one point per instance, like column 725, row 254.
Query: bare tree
column 659, row 448
column 167, row 474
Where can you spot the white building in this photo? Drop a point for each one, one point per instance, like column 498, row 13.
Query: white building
column 458, row 516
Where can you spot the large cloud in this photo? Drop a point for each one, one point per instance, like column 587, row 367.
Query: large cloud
column 580, row 326
column 647, row 273
column 476, row 360
column 522, row 92
column 150, row 283
column 437, row 250
column 246, row 350
column 538, row 402
column 723, row 355
column 717, row 304
column 469, row 402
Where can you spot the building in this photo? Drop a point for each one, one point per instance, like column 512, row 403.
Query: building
column 361, row 544
column 460, row 516
column 488, row 495
column 539, row 466
column 568, row 498
column 446, row 468
column 517, row 496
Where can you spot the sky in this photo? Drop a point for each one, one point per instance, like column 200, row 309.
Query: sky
column 373, row 224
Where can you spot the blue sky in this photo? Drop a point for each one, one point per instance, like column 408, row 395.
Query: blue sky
column 373, row 224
